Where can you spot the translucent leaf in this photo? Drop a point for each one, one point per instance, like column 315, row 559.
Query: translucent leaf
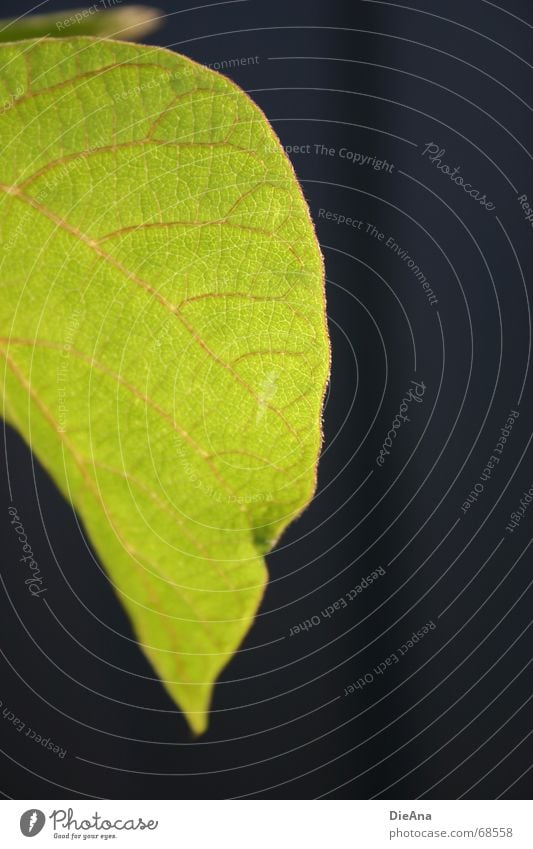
column 162, row 325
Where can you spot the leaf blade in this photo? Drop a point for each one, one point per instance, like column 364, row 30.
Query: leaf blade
column 164, row 316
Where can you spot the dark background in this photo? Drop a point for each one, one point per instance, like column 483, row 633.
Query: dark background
column 453, row 718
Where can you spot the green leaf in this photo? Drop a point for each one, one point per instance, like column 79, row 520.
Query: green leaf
column 162, row 324
column 129, row 22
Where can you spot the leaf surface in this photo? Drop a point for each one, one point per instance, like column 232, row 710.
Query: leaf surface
column 163, row 332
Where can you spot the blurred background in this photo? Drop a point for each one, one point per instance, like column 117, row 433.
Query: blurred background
column 377, row 103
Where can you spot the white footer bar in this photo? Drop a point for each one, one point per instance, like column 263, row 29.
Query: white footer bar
column 267, row 824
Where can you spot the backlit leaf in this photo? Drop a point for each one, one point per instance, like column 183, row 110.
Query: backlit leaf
column 163, row 332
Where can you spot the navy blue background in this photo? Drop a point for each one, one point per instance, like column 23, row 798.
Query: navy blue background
column 453, row 717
